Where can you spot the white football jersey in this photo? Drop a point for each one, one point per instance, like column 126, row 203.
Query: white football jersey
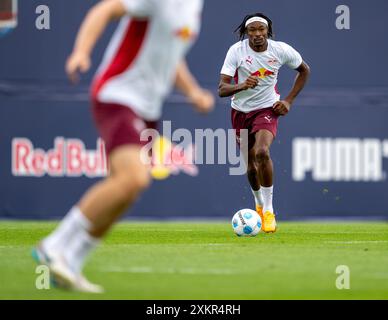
column 242, row 61
column 139, row 65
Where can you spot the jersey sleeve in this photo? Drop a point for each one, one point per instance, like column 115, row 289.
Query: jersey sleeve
column 291, row 57
column 140, row 8
column 230, row 64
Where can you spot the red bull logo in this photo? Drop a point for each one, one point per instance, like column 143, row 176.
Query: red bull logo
column 68, row 158
column 262, row 73
column 185, row 33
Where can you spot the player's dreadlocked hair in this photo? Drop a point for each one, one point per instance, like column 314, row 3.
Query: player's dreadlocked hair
column 242, row 29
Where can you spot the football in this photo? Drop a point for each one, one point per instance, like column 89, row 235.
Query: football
column 246, row 222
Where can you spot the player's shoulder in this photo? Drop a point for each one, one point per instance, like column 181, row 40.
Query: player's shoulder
column 238, row 46
column 279, row 46
column 179, row 5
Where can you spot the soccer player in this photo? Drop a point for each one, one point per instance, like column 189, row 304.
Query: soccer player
column 254, row 64
column 143, row 61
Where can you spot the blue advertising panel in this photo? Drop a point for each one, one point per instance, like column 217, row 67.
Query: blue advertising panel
column 330, row 156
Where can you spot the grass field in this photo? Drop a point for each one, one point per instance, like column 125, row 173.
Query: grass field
column 207, row 261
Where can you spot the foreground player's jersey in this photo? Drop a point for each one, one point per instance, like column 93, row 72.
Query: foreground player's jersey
column 139, row 66
column 241, row 62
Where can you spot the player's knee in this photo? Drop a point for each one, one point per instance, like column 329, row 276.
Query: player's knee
column 252, row 170
column 141, row 180
column 262, row 154
column 129, row 185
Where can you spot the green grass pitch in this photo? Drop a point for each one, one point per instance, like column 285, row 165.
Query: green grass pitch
column 187, row 260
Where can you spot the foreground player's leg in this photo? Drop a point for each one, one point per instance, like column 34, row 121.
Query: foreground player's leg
column 129, row 177
column 263, row 141
column 99, row 208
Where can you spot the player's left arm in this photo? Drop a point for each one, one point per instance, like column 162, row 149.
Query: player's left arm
column 282, row 107
column 202, row 99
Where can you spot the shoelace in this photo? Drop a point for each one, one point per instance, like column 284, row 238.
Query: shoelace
column 268, row 218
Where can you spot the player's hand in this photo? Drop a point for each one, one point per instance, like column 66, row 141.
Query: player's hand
column 76, row 63
column 250, row 83
column 203, row 100
column 281, row 107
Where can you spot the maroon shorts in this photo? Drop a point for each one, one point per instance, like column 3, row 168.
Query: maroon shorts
column 254, row 121
column 119, row 125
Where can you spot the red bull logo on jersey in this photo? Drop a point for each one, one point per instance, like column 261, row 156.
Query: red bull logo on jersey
column 185, row 34
column 262, row 73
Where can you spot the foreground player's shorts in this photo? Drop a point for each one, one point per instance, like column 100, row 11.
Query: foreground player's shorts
column 119, row 125
column 254, row 121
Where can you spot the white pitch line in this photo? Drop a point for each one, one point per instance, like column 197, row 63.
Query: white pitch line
column 358, row 242
column 380, row 276
column 330, row 232
column 13, row 247
column 168, row 270
column 129, row 245
column 173, row 230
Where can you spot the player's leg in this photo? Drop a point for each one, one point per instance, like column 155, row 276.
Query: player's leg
column 254, row 179
column 240, row 122
column 80, row 231
column 104, row 203
column 263, row 161
column 262, row 158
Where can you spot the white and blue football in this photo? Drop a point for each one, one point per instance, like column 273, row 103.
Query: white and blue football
column 246, row 223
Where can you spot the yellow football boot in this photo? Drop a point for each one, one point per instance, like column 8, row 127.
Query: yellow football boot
column 259, row 210
column 268, row 222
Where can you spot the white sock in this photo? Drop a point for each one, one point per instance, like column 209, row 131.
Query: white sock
column 71, row 239
column 68, row 227
column 267, row 193
column 258, row 197
column 79, row 248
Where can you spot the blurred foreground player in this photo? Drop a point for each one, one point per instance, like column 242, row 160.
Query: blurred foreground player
column 253, row 64
column 144, row 59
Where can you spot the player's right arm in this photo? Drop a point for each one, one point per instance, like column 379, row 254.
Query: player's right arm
column 90, row 31
column 229, row 69
column 227, row 89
